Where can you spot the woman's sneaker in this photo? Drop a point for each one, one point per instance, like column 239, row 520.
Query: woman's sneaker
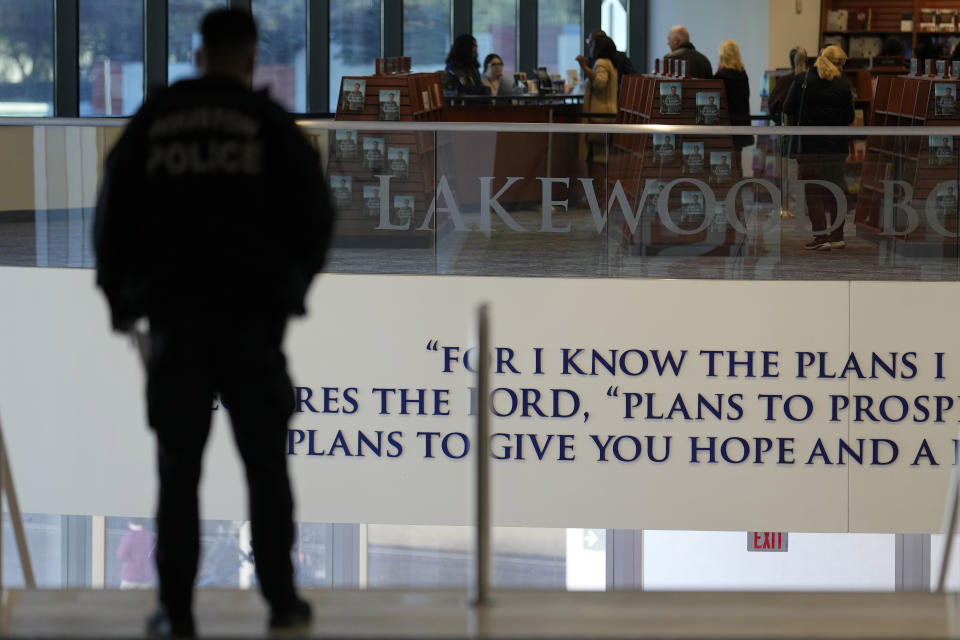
column 838, row 244
column 817, row 245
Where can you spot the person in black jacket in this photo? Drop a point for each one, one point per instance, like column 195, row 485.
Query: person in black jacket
column 463, row 69
column 736, row 85
column 798, row 65
column 212, row 220
column 822, row 97
column 678, row 39
column 621, row 61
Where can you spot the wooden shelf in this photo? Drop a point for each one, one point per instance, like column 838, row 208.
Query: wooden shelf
column 634, row 162
column 903, row 100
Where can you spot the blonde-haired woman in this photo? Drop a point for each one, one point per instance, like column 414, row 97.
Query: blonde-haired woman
column 737, row 87
column 821, row 97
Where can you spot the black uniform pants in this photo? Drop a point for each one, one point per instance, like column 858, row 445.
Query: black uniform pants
column 189, row 362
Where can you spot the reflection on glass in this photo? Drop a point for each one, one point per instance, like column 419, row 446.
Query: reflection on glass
column 613, row 21
column 495, row 28
column 354, row 41
column 426, row 34
column 282, row 51
column 559, row 37
column 183, row 34
column 44, row 534
column 111, row 57
column 129, row 557
column 435, row 556
column 901, row 196
column 26, row 58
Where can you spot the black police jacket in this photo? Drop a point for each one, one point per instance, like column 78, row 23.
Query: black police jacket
column 212, row 203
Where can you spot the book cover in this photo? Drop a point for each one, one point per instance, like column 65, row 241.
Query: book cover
column 353, row 91
column 671, row 97
column 346, row 145
column 403, row 209
column 691, row 204
column 858, row 20
column 947, row 202
column 373, row 153
column 664, row 147
column 837, row 20
column 940, row 152
column 371, row 200
column 720, row 166
column 693, row 157
column 708, row 107
column 650, row 203
column 945, row 98
column 399, row 159
column 342, row 187
column 389, row 107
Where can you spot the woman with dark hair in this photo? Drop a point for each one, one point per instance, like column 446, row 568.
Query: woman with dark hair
column 493, row 76
column 463, row 70
column 599, row 96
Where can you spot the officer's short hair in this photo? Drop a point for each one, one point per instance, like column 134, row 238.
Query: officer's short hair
column 226, row 30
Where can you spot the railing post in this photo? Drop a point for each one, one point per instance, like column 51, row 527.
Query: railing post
column 481, row 586
column 6, row 482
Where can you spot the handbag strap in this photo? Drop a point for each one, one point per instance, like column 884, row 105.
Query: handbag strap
column 803, row 97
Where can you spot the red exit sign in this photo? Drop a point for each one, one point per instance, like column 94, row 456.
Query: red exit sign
column 766, row 541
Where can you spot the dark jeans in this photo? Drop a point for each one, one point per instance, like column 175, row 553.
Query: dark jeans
column 821, row 203
column 189, row 363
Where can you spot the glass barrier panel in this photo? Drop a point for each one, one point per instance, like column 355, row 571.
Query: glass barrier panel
column 552, row 203
column 382, row 184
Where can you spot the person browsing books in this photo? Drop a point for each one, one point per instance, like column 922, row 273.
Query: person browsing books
column 822, row 97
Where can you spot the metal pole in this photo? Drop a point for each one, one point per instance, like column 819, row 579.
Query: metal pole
column 481, row 586
column 953, row 501
column 15, row 517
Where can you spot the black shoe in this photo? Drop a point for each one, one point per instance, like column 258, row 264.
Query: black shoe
column 296, row 615
column 161, row 625
column 817, row 244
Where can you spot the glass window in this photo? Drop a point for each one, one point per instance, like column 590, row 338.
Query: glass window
column 111, row 57
column 26, row 58
column 44, row 534
column 436, row 556
column 719, row 560
column 354, row 41
column 183, row 34
column 613, row 21
column 426, row 34
column 495, row 28
column 282, row 51
column 559, row 36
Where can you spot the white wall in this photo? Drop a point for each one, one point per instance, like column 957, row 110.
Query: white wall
column 710, row 23
column 719, row 560
column 792, row 23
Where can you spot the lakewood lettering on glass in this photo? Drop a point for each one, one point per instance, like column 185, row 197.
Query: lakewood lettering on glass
column 899, row 216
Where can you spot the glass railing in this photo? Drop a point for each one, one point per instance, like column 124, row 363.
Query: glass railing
column 566, row 200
